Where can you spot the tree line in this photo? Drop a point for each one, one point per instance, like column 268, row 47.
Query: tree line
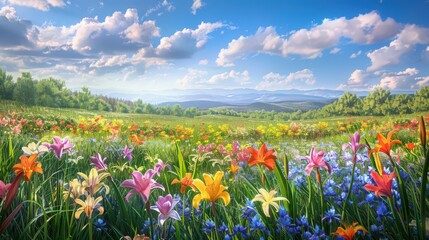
column 52, row 92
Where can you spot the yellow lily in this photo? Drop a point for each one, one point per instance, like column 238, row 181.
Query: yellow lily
column 75, row 189
column 212, row 190
column 92, row 183
column 267, row 199
column 88, row 206
column 377, row 160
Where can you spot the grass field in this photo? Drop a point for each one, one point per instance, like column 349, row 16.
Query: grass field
column 77, row 174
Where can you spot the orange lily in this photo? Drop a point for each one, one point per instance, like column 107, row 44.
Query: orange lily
column 348, row 232
column 212, row 190
column 410, row 146
column 263, row 157
column 186, row 181
column 383, row 184
column 234, row 168
column 386, row 144
column 27, row 166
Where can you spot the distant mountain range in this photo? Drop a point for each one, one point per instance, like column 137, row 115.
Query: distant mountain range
column 241, row 99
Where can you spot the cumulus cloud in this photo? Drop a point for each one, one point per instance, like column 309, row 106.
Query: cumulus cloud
column 192, row 77
column 357, row 78
column 422, row 81
column 182, row 44
column 42, row 5
column 309, row 43
column 240, row 77
column 404, row 43
column 275, row 81
column 15, row 32
column 398, row 80
column 197, row 4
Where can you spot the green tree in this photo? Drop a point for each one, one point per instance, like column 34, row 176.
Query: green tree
column 377, row 102
column 24, row 89
column 401, row 104
column 420, row 100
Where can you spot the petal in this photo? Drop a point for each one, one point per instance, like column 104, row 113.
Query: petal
column 200, row 185
column 218, row 177
column 309, row 168
column 196, row 201
column 270, row 164
column 225, row 197
column 78, row 213
column 128, row 183
column 207, row 179
column 132, row 192
column 266, row 209
column 174, row 214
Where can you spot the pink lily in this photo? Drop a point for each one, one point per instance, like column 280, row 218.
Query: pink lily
column 60, row 145
column 141, row 184
column 98, row 162
column 354, row 145
column 3, row 189
column 316, row 160
column 165, row 207
column 127, row 153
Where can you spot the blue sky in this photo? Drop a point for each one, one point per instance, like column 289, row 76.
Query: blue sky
column 136, row 45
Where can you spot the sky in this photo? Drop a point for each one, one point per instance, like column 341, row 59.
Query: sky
column 150, row 45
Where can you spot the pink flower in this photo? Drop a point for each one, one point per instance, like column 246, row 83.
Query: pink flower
column 235, row 147
column 127, row 153
column 3, row 189
column 141, row 184
column 222, row 149
column 165, row 207
column 316, row 160
column 243, row 156
column 160, row 166
column 60, row 145
column 98, row 162
column 354, row 145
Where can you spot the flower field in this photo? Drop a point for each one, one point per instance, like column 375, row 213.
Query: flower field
column 80, row 176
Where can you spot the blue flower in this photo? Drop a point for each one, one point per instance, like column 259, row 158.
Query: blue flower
column 209, row 225
column 223, row 228
column 239, row 229
column 248, row 210
column 256, row 224
column 331, row 216
column 383, row 212
column 100, row 225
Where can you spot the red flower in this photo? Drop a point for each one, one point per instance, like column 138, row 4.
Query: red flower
column 383, row 184
column 263, row 157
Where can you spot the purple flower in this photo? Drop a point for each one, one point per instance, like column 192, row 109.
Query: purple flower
column 160, row 166
column 127, row 153
column 60, row 146
column 141, row 184
column 316, row 160
column 98, row 162
column 354, row 145
column 165, row 207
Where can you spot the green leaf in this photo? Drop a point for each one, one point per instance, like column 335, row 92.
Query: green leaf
column 182, row 166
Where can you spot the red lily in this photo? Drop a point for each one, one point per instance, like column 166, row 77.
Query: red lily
column 383, row 184
column 263, row 157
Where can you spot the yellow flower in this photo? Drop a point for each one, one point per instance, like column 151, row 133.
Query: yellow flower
column 92, row 183
column 267, row 199
column 212, row 190
column 88, row 206
column 75, row 189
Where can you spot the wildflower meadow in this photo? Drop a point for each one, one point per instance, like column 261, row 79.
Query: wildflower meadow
column 71, row 176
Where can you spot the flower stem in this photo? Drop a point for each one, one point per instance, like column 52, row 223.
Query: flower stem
column 350, row 189
column 319, row 180
column 423, row 195
column 150, row 218
column 90, row 228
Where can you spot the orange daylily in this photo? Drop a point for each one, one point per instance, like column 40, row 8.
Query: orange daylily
column 212, row 190
column 136, row 140
column 186, row 181
column 263, row 157
column 234, row 168
column 27, row 166
column 410, row 146
column 348, row 232
column 386, row 143
column 383, row 184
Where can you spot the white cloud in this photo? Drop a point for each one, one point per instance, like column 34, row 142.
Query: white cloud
column 110, row 61
column 182, row 44
column 335, row 50
column 275, row 81
column 422, row 81
column 8, row 12
column 197, row 4
column 309, row 43
column 404, row 43
column 355, row 55
column 398, row 80
column 160, row 6
column 192, row 77
column 42, row 5
column 240, row 77
column 357, row 78
column 203, row 62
